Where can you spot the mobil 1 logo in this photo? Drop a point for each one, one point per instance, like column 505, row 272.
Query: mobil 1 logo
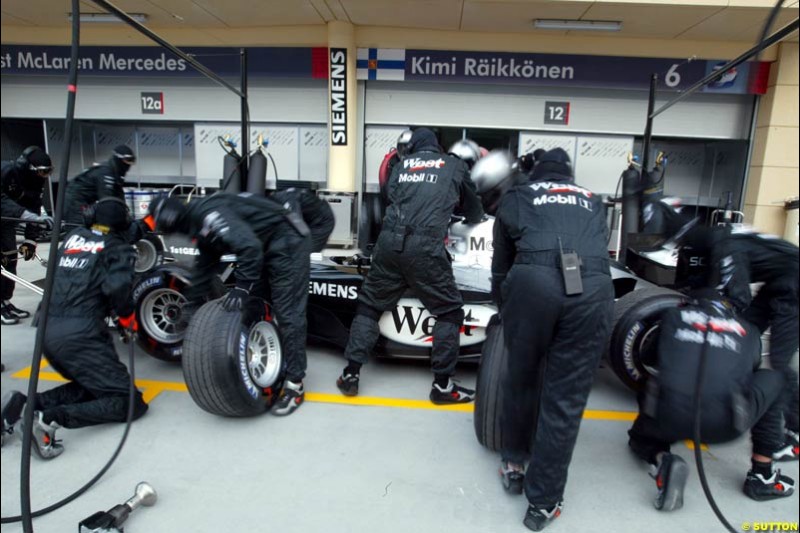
column 556, row 113
column 153, row 103
column 338, row 84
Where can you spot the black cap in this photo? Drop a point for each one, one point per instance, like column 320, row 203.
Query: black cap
column 125, row 153
column 553, row 163
column 39, row 159
column 556, row 155
column 423, row 139
column 113, row 213
column 167, row 212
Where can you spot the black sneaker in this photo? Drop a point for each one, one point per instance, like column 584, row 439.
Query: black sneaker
column 11, row 408
column 43, row 440
column 670, row 479
column 761, row 489
column 8, row 318
column 791, row 448
column 348, row 384
column 513, row 477
column 16, row 311
column 291, row 397
column 451, row 394
column 536, row 519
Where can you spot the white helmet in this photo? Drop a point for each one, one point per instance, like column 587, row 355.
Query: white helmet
column 402, row 143
column 492, row 170
column 493, row 175
column 466, row 150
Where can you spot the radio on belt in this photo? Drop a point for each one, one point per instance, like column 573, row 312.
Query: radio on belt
column 571, row 270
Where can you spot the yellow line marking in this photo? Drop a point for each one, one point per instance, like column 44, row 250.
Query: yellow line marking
column 149, row 394
column 690, row 445
column 152, row 388
column 374, row 401
column 619, row 416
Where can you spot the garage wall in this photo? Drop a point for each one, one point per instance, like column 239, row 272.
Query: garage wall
column 294, row 101
column 522, row 108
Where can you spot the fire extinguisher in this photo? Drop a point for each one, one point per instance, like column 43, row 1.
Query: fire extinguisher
column 257, row 173
column 231, row 163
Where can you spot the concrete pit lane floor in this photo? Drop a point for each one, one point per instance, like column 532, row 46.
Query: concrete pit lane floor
column 398, row 465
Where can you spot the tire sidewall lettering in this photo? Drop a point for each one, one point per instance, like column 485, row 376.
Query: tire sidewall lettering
column 628, row 351
column 244, row 372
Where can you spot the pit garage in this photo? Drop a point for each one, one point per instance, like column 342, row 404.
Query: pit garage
column 328, row 87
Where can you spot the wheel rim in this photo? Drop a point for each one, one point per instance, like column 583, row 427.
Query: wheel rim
column 161, row 315
column 146, row 256
column 264, row 355
column 647, row 348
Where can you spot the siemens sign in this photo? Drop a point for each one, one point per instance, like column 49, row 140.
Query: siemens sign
column 338, row 82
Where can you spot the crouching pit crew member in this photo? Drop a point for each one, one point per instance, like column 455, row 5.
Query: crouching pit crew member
column 550, row 240
column 94, row 276
column 736, row 396
column 272, row 244
column 423, row 190
column 23, row 181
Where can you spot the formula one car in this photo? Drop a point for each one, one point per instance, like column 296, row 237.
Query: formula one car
column 405, row 331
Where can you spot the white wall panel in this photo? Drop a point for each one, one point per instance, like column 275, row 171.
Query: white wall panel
column 377, row 142
column 600, row 160
column 191, row 100
column 531, row 140
column 285, row 146
column 591, row 111
column 314, row 153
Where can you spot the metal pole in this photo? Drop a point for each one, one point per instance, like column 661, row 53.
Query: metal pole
column 33, row 381
column 25, row 283
column 245, row 121
column 648, row 128
column 108, row 6
column 777, row 36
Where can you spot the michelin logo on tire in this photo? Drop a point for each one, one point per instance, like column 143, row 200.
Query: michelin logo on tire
column 252, row 390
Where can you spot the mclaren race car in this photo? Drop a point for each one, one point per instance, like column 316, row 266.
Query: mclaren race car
column 406, row 329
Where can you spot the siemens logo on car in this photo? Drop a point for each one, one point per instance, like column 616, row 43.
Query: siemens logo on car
column 332, row 290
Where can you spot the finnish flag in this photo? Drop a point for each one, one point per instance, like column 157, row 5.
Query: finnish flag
column 381, row 64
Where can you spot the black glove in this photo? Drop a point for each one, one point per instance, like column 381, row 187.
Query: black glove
column 234, row 301
column 27, row 250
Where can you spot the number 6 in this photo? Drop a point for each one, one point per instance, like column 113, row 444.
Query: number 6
column 672, row 78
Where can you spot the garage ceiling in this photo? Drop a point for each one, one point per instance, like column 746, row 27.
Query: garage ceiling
column 719, row 20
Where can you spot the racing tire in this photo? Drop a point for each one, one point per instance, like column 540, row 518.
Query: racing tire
column 149, row 253
column 372, row 212
column 233, row 361
column 489, row 389
column 159, row 298
column 632, row 348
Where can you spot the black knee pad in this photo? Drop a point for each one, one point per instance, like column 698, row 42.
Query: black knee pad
column 367, row 311
column 456, row 316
